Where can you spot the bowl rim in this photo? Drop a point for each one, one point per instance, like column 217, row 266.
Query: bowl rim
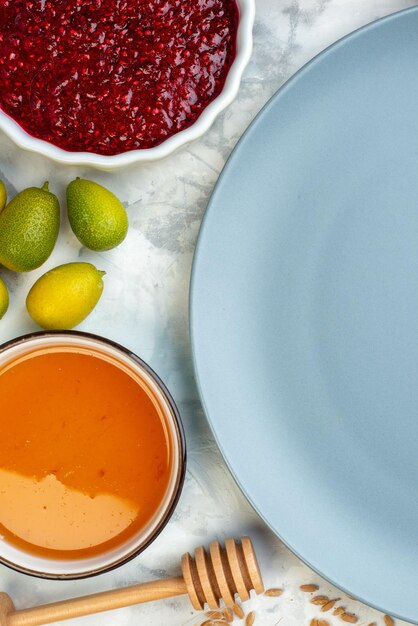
column 178, row 432
column 205, row 120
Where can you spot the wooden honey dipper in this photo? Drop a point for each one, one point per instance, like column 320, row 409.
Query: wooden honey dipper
column 207, row 579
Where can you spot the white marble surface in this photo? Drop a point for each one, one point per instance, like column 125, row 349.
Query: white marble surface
column 145, row 307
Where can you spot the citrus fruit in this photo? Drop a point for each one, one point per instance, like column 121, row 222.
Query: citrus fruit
column 29, row 227
column 4, row 298
column 3, row 195
column 64, row 296
column 97, row 217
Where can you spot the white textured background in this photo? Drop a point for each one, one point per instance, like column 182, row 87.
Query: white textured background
column 145, row 307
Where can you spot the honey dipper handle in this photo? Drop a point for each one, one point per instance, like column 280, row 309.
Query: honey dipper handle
column 95, row 603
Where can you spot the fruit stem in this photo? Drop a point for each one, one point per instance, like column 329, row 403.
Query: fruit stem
column 45, row 186
column 101, row 273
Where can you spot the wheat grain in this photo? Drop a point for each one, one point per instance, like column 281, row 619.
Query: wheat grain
column 215, row 615
column 338, row 610
column 329, row 605
column 273, row 592
column 320, row 600
column 237, row 608
column 250, row 619
column 309, row 588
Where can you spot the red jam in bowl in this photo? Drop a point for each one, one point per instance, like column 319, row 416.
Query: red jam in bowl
column 108, row 76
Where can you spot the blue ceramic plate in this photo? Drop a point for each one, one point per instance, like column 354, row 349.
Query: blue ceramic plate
column 304, row 314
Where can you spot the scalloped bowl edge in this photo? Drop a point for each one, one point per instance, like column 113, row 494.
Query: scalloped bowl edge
column 244, row 48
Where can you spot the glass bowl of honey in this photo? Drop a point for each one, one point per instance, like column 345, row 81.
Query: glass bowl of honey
column 92, row 454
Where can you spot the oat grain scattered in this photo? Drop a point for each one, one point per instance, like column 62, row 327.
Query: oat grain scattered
column 320, row 600
column 339, row 610
column 237, row 608
column 215, row 615
column 273, row 592
column 250, row 619
column 309, row 588
column 329, row 605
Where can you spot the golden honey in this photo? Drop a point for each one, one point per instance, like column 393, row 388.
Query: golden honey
column 85, row 459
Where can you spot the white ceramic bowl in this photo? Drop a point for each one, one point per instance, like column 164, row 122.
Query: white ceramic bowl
column 202, row 124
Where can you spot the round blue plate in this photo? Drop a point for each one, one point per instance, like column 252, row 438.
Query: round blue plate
column 304, row 314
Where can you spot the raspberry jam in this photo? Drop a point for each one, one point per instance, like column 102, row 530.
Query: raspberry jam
column 108, row 76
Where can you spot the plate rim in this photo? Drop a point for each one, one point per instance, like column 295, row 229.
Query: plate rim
column 193, row 278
